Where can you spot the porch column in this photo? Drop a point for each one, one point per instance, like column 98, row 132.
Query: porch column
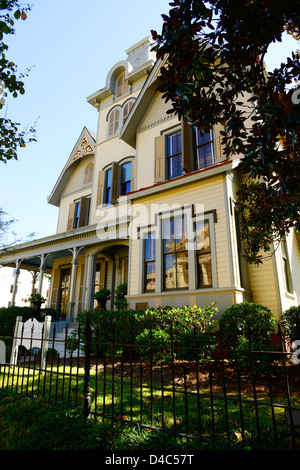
column 89, row 280
column 42, row 270
column 15, row 286
column 71, row 303
column 34, row 274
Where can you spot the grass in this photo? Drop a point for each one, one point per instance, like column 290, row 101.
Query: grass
column 147, row 402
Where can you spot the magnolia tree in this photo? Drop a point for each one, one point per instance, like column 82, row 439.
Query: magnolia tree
column 11, row 83
column 215, row 73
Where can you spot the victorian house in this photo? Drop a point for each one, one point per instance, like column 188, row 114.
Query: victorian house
column 149, row 201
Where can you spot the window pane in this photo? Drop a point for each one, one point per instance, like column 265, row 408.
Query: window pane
column 150, row 276
column 181, row 233
column 203, row 148
column 174, row 155
column 204, row 270
column 182, row 270
column 150, row 247
column 202, row 236
column 170, row 271
column 126, row 172
column 168, row 235
column 108, row 178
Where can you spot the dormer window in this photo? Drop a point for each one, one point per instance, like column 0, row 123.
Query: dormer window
column 122, row 86
column 117, row 116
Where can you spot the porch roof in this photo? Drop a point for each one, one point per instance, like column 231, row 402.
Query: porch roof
column 55, row 246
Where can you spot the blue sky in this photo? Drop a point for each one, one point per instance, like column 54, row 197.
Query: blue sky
column 70, row 46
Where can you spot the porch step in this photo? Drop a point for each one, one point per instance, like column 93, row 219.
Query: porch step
column 58, row 342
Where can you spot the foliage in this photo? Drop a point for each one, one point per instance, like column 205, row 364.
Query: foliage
column 154, row 346
column 247, row 320
column 33, row 425
column 288, row 320
column 8, row 317
column 103, row 294
column 106, row 327
column 248, row 327
column 171, row 326
column 120, row 296
column 35, row 298
column 215, row 74
column 11, row 137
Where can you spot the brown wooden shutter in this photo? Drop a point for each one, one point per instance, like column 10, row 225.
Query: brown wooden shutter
column 84, row 202
column 159, row 164
column 114, row 183
column 55, row 289
column 186, row 147
column 71, row 216
column 219, row 149
column 132, row 182
column 101, row 179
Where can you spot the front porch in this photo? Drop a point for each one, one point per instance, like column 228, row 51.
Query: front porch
column 79, row 264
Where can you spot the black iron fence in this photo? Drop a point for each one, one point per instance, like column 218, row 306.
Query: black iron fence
column 221, row 398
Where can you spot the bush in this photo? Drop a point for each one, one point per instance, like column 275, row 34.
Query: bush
column 8, row 317
column 192, row 346
column 247, row 320
column 247, row 325
column 120, row 297
column 107, row 327
column 154, row 346
column 288, row 320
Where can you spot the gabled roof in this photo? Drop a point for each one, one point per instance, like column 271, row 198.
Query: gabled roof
column 141, row 105
column 84, row 147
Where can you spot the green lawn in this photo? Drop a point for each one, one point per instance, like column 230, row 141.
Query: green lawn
column 155, row 402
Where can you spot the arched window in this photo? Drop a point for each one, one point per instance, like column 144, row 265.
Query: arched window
column 126, row 109
column 121, row 86
column 113, row 123
column 88, row 174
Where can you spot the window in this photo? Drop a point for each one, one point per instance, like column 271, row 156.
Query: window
column 107, row 187
column 241, row 261
column 113, row 122
column 125, row 178
column 76, row 214
column 178, row 252
column 88, row 174
column 203, row 254
column 126, row 109
column 121, row 86
column 286, row 267
column 149, row 262
column 175, row 253
column 115, row 181
column 186, row 150
column 174, row 155
column 203, row 149
column 79, row 213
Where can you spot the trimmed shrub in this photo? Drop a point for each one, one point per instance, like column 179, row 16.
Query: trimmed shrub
column 154, row 346
column 288, row 321
column 247, row 320
column 248, row 326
